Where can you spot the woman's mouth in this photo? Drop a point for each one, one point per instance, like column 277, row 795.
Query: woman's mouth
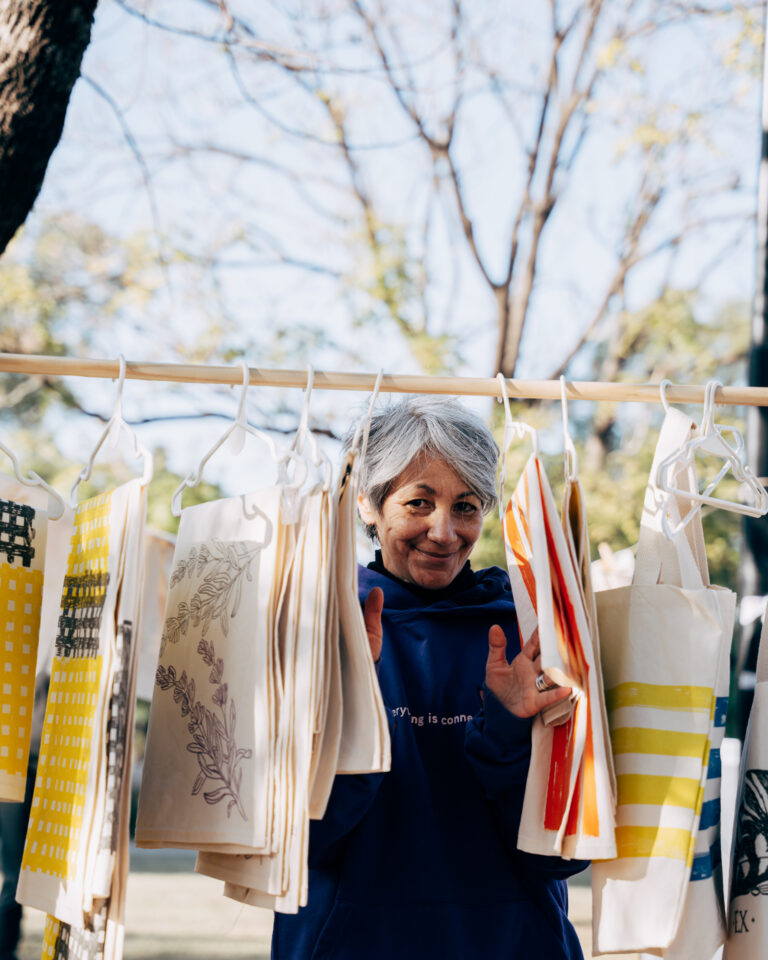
column 439, row 558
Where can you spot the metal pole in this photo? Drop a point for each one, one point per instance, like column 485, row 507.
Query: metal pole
column 754, row 566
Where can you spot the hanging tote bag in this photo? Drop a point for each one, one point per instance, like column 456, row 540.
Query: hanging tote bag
column 22, row 560
column 279, row 881
column 597, row 787
column 568, row 804
column 748, row 906
column 206, row 782
column 574, row 516
column 68, row 854
column 662, row 649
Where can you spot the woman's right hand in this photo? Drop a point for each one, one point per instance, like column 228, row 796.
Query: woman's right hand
column 374, row 604
column 514, row 684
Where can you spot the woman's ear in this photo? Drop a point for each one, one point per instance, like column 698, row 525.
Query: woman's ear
column 364, row 508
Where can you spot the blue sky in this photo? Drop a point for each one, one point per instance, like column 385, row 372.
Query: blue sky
column 175, row 92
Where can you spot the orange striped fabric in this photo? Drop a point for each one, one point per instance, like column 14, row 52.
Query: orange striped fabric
column 569, row 805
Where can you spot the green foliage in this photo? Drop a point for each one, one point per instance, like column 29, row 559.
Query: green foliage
column 391, row 281
column 615, row 443
column 164, row 483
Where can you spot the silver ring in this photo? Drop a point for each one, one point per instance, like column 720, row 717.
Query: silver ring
column 542, row 682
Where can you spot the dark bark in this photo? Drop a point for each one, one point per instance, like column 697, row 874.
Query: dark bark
column 42, row 43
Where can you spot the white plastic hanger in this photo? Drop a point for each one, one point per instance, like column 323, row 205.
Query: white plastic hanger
column 515, row 428
column 56, row 501
column 512, row 429
column 710, row 439
column 365, row 425
column 304, row 435
column 570, row 458
column 114, row 426
column 239, row 424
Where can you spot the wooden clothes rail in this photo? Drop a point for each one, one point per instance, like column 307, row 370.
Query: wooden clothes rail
column 391, row 383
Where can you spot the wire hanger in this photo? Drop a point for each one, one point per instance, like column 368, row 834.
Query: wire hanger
column 711, row 439
column 56, row 503
column 570, row 458
column 239, row 424
column 111, row 432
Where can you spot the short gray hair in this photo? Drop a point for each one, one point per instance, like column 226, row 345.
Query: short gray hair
column 427, row 426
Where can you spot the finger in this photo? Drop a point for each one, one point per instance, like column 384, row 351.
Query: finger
column 497, row 645
column 537, row 665
column 549, row 697
column 532, row 648
column 374, row 604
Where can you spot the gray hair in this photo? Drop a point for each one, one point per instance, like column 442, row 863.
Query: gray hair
column 427, row 426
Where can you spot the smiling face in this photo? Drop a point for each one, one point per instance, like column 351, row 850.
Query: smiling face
column 427, row 525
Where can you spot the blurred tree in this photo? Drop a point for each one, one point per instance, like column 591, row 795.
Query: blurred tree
column 524, row 160
column 41, row 46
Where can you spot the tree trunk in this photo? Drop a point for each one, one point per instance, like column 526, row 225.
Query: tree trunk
column 41, row 47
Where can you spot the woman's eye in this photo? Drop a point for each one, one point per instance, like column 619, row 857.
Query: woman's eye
column 417, row 503
column 466, row 507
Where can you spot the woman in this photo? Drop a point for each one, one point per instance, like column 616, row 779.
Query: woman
column 422, row 861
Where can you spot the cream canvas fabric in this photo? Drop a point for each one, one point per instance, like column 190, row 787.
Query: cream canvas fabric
column 748, row 902
column 76, row 853
column 281, row 878
column 23, row 532
column 662, row 642
column 365, row 745
column 209, row 753
column 332, row 717
column 158, row 565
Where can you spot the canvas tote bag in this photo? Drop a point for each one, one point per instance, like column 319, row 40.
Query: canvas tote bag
column 568, row 803
column 597, row 788
column 365, row 745
column 574, row 517
column 279, row 880
column 209, row 756
column 662, row 642
column 748, row 908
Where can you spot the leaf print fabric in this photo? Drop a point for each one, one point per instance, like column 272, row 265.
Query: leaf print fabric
column 209, row 743
column 350, row 729
column 76, row 852
column 265, row 687
column 22, row 558
column 279, row 880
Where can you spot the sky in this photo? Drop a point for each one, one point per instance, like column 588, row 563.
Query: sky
column 165, row 94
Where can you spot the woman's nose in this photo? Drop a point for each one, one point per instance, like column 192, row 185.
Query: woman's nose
column 441, row 528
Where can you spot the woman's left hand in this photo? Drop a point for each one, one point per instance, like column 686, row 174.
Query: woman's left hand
column 514, row 684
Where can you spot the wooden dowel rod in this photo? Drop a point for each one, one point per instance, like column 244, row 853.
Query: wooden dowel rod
column 363, row 382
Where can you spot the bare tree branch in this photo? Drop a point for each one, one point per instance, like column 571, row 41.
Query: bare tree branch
column 138, row 157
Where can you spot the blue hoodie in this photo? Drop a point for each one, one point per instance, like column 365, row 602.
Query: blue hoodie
column 421, row 863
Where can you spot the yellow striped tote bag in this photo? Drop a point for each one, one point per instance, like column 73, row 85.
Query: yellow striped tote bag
column 662, row 642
